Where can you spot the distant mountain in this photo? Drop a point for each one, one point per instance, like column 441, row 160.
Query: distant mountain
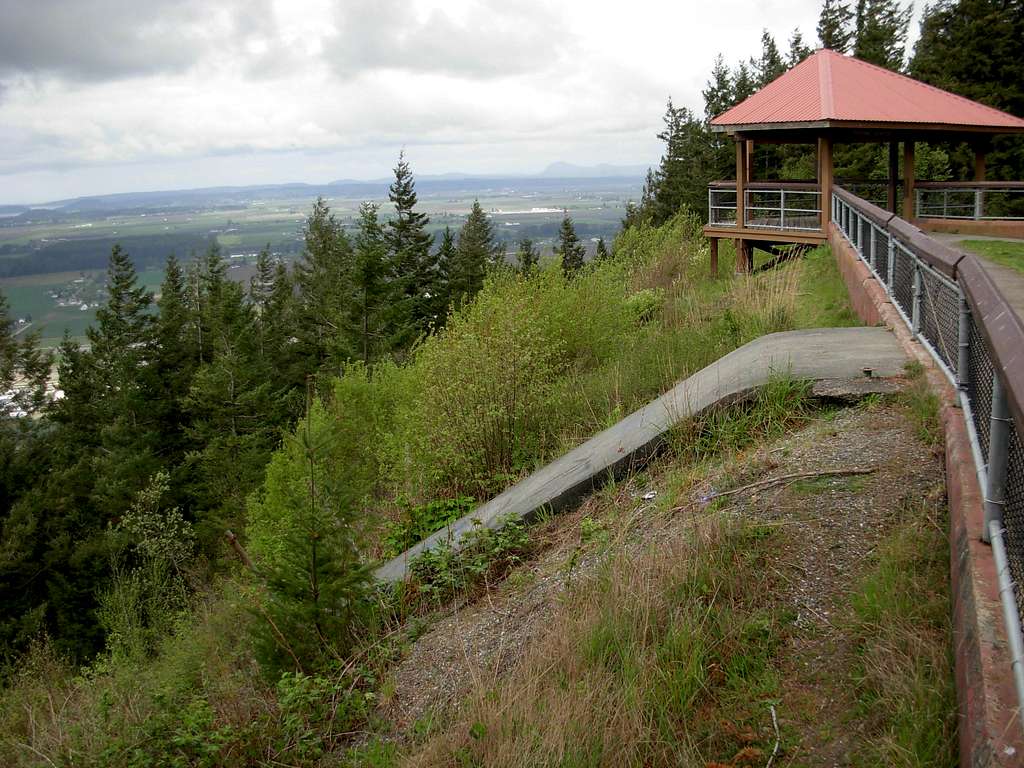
column 600, row 171
column 556, row 175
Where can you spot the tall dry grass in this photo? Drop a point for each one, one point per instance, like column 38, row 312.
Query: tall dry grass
column 641, row 666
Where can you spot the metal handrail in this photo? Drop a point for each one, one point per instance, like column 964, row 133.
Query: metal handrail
column 987, row 330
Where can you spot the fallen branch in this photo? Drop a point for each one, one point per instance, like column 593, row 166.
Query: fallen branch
column 760, row 484
column 775, row 723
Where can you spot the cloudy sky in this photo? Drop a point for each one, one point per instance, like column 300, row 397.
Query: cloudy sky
column 104, row 96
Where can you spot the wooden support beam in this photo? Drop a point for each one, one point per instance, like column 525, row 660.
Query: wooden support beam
column 979, row 163
column 741, row 182
column 750, row 159
column 714, row 256
column 908, row 180
column 894, row 175
column 825, row 178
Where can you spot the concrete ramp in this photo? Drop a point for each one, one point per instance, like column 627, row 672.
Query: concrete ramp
column 828, row 353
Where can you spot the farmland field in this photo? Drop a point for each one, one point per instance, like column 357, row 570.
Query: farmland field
column 52, row 258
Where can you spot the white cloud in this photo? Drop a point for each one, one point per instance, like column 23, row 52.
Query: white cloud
column 120, row 95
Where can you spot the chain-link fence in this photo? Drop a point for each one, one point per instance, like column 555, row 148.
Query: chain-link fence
column 933, row 288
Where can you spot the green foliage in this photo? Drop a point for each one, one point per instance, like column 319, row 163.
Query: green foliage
column 644, row 305
column 483, row 553
column 1009, row 253
column 527, row 256
column 418, row 522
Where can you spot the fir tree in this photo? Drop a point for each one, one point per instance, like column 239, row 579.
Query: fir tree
column 744, row 83
column 569, row 249
column 719, row 93
column 834, row 26
column 475, row 252
column 602, row 250
column 527, row 256
column 685, row 168
column 798, row 50
column 412, row 266
column 770, row 65
column 369, row 280
column 447, row 255
column 323, row 276
column 881, row 33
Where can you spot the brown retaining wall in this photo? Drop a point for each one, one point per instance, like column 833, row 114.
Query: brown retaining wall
column 990, row 734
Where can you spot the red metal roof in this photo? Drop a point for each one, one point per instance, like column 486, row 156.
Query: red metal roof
column 828, row 86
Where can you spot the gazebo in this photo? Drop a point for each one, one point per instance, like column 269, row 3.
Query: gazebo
column 831, row 99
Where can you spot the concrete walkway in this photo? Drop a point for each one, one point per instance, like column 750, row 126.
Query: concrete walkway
column 831, row 353
column 1009, row 280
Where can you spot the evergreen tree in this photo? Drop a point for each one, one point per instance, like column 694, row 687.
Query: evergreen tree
column 324, row 279
column 719, row 93
column 686, row 167
column 447, row 256
column 834, row 26
column 475, row 252
column 798, row 50
column 305, row 534
column 413, row 267
column 528, row 255
column 881, row 33
column 602, row 250
column 370, row 283
column 975, row 48
column 744, row 83
column 569, row 248
column 770, row 65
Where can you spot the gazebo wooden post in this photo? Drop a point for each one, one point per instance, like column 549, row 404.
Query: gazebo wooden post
column 979, row 162
column 741, row 195
column 825, row 179
column 908, row 179
column 894, row 175
column 714, row 256
column 750, row 159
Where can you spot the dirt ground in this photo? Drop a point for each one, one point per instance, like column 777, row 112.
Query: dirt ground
column 833, row 523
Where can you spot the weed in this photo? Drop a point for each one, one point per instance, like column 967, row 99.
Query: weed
column 922, row 406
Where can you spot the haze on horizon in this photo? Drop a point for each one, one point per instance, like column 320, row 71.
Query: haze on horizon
column 112, row 96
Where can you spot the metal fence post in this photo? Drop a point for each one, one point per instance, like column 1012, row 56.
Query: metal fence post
column 871, row 248
column 998, row 454
column 979, row 203
column 891, row 262
column 915, row 314
column 963, row 361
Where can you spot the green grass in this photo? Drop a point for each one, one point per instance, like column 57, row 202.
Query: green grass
column 1009, row 253
column 904, row 676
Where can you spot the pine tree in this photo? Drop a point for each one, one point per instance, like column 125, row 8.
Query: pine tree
column 770, row 65
column 527, row 256
column 369, row 279
column 798, row 50
column 744, row 83
column 412, row 266
column 719, row 93
column 447, row 255
column 834, row 26
column 602, row 250
column 324, row 279
column 475, row 252
column 569, row 249
column 975, row 48
column 685, row 169
column 881, row 33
